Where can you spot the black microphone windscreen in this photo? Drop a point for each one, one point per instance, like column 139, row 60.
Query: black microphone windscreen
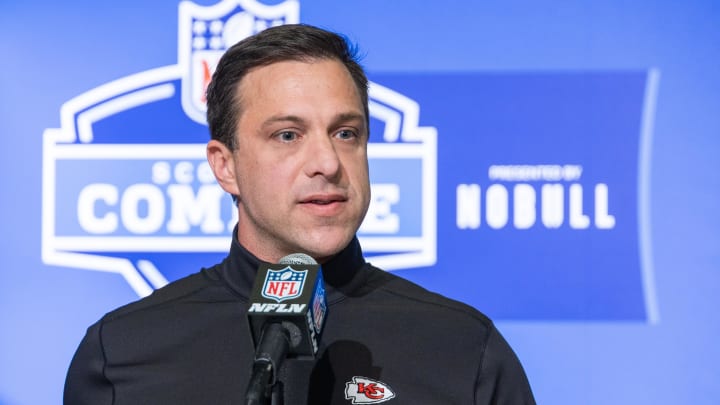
column 291, row 292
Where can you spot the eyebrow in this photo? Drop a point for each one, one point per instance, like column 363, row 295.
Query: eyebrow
column 282, row 118
column 337, row 120
column 349, row 116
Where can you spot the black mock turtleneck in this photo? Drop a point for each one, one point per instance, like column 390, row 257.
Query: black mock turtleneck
column 343, row 273
column 189, row 343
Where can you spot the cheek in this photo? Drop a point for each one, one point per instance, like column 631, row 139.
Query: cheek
column 269, row 182
column 363, row 170
column 361, row 179
column 248, row 181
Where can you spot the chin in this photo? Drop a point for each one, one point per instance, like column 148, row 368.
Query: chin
column 324, row 250
column 323, row 254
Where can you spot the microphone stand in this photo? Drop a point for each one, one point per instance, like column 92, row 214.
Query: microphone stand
column 269, row 355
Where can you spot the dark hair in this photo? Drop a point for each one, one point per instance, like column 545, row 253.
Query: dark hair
column 296, row 42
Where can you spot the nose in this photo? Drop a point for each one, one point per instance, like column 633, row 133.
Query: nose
column 321, row 157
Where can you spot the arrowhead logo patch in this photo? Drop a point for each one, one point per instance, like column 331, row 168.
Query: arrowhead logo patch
column 362, row 390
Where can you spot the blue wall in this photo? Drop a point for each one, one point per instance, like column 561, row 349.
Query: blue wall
column 54, row 51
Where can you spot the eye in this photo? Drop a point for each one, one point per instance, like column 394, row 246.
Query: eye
column 286, row 136
column 346, row 134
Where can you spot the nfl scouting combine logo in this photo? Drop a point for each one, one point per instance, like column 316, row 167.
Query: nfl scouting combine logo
column 127, row 189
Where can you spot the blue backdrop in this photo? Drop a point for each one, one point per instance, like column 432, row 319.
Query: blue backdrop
column 554, row 164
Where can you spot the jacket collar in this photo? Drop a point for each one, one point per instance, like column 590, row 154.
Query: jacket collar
column 343, row 273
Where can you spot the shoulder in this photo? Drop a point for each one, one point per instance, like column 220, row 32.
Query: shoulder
column 407, row 294
column 462, row 332
column 197, row 284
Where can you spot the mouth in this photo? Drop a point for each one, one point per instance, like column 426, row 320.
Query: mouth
column 324, row 199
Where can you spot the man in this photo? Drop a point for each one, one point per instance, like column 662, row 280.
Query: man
column 288, row 115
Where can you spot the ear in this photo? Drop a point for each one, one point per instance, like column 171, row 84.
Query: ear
column 222, row 162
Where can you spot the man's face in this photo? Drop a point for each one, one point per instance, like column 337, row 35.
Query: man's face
column 300, row 166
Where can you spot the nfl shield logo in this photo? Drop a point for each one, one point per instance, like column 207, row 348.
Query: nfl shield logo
column 285, row 284
column 206, row 32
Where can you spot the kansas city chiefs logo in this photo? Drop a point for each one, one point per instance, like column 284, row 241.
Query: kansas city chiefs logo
column 362, row 390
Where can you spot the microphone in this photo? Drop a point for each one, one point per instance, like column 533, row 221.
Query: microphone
column 286, row 314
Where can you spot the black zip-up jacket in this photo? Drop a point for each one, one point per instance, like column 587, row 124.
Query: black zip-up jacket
column 385, row 340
